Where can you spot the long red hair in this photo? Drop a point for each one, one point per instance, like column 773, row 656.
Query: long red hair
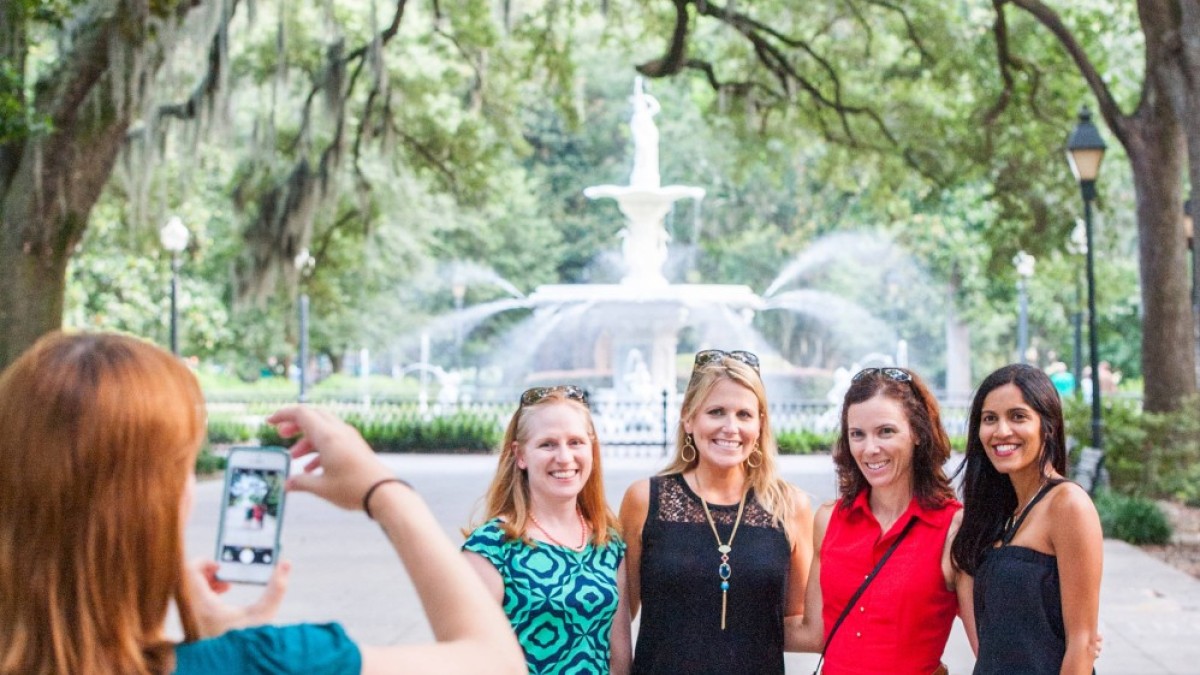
column 100, row 435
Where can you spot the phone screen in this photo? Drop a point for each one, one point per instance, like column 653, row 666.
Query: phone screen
column 252, row 514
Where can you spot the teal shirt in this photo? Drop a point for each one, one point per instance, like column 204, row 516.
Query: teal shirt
column 311, row 649
column 560, row 602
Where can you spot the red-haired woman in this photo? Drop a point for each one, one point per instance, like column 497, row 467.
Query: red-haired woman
column 549, row 551
column 896, row 505
column 98, row 440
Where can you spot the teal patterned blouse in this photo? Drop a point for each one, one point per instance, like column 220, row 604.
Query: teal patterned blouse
column 560, row 602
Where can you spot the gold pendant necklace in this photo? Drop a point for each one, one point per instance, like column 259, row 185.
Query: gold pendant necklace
column 723, row 570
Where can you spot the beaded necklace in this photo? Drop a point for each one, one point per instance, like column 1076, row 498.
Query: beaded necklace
column 723, row 570
column 582, row 532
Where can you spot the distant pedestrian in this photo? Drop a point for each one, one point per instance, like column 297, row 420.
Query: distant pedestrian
column 1030, row 538
column 1108, row 378
column 1061, row 378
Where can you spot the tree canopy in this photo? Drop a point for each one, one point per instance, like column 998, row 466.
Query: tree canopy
column 394, row 140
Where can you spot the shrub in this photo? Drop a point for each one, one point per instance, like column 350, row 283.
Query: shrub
column 458, row 433
column 207, row 463
column 224, row 429
column 1148, row 454
column 1136, row 520
column 804, row 442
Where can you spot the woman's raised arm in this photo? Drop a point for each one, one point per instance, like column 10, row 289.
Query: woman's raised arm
column 472, row 633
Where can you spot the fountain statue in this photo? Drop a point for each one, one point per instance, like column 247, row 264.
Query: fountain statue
column 633, row 327
column 645, row 138
column 644, row 202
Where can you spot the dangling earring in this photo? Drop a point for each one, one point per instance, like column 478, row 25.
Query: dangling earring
column 688, row 445
column 754, row 452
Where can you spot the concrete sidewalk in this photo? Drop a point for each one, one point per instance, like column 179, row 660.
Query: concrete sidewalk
column 344, row 570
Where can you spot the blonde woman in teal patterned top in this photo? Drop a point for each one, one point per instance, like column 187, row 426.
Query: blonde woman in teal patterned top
column 549, row 551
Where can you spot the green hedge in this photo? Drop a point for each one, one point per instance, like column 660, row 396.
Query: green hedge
column 804, row 442
column 1136, row 520
column 207, row 463
column 1155, row 455
column 459, row 433
column 224, row 429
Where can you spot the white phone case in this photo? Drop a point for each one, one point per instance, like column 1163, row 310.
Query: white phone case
column 251, row 514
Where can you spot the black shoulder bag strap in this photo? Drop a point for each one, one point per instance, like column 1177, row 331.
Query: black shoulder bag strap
column 857, row 594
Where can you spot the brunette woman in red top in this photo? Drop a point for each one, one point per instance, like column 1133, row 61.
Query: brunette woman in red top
column 889, row 459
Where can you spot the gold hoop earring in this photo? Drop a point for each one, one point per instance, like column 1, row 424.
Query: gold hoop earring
column 688, row 445
column 754, row 452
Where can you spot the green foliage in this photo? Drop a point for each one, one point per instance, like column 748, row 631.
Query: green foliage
column 805, row 442
column 208, row 463
column 458, row 433
column 224, row 429
column 1134, row 519
column 486, row 128
column 1154, row 455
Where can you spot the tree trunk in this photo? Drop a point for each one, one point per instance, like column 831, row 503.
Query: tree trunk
column 1155, row 149
column 31, row 294
column 49, row 181
column 958, row 347
column 44, row 208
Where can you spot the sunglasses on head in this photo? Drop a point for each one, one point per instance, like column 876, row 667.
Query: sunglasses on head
column 894, row 374
column 718, row 355
column 539, row 394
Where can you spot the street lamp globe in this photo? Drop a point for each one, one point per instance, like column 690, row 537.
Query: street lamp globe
column 1024, row 263
column 1085, row 148
column 304, row 261
column 174, row 235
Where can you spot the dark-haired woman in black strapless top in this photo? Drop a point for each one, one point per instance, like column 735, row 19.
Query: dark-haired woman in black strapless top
column 1030, row 538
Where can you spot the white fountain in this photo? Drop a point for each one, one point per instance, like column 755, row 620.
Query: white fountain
column 634, row 326
column 621, row 340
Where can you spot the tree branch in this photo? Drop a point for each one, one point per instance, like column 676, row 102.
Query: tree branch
column 909, row 28
column 206, row 89
column 1117, row 121
column 673, row 61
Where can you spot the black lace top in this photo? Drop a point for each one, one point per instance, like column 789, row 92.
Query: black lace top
column 680, row 630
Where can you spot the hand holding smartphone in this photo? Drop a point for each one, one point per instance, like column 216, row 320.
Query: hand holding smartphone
column 252, row 514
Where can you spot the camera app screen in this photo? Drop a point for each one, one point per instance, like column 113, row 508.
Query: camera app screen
column 251, row 516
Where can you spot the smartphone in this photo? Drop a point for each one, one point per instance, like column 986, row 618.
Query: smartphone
column 251, row 514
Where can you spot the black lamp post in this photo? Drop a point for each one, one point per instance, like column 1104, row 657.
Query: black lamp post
column 459, row 290
column 174, row 238
column 1085, row 152
column 1193, row 240
column 1024, row 264
column 1078, row 246
column 304, row 263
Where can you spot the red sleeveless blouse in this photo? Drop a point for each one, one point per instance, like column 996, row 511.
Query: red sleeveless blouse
column 902, row 621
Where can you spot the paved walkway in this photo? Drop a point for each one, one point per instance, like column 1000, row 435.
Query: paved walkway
column 344, row 570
